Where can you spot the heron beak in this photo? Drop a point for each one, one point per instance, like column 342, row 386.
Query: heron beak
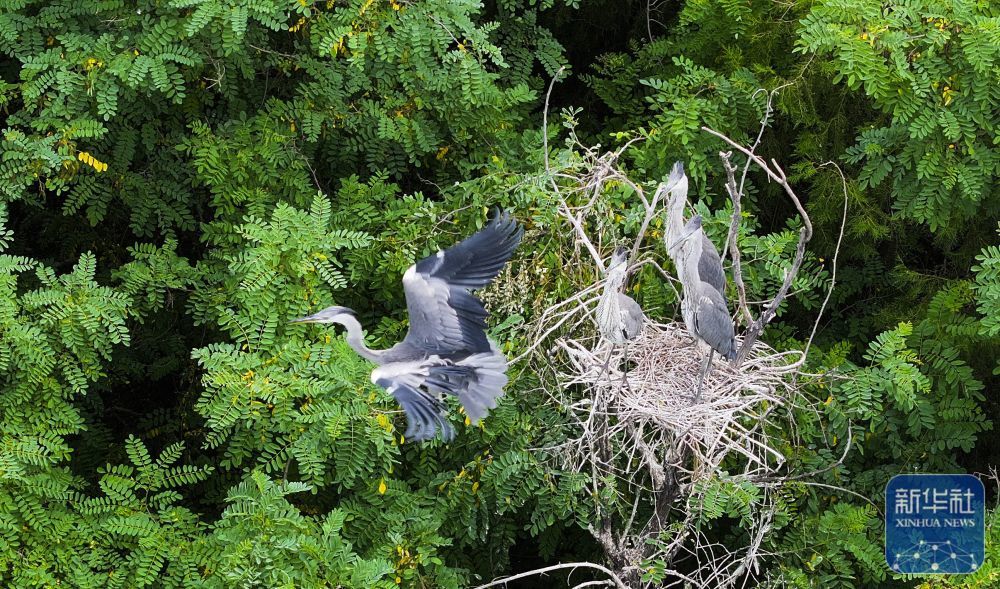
column 308, row 319
column 325, row 316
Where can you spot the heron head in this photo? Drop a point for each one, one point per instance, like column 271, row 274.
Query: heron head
column 619, row 257
column 676, row 175
column 327, row 315
column 677, row 190
column 690, row 229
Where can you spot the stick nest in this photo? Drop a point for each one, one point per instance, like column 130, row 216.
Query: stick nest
column 642, row 394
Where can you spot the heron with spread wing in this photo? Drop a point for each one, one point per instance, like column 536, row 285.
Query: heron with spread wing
column 446, row 349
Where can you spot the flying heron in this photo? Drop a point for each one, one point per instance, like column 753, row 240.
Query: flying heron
column 703, row 307
column 619, row 317
column 446, row 349
column 709, row 262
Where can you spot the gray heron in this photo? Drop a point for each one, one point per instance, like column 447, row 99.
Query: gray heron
column 709, row 262
column 446, row 349
column 619, row 317
column 703, row 307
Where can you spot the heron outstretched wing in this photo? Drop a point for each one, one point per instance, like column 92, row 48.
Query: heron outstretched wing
column 444, row 316
column 424, row 413
column 476, row 379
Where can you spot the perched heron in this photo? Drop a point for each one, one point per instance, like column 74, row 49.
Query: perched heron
column 709, row 262
column 619, row 317
column 446, row 349
column 704, row 308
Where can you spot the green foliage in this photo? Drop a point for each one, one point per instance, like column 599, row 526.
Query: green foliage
column 678, row 105
column 179, row 179
column 828, row 549
column 134, row 534
column 721, row 497
column 269, row 543
column 100, row 112
column 897, row 396
column 930, row 66
column 987, row 288
column 57, row 339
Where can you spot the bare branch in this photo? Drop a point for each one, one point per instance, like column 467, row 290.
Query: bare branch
column 545, row 125
column 774, row 171
column 650, row 215
column 575, row 221
column 833, row 262
column 570, row 565
column 734, row 229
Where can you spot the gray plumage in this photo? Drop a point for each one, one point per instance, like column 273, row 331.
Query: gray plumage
column 446, row 349
column 677, row 189
column 704, row 308
column 709, row 261
column 619, row 317
column 710, row 265
column 632, row 316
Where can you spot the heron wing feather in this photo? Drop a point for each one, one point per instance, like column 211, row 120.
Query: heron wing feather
column 477, row 380
column 477, row 259
column 713, row 323
column 710, row 266
column 445, row 318
column 424, row 413
column 632, row 316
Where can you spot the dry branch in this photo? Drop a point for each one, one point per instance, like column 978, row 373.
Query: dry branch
column 613, row 582
column 774, row 171
column 734, row 229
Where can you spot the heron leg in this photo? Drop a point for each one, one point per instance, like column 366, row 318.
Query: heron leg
column 607, row 362
column 704, row 374
column 625, row 369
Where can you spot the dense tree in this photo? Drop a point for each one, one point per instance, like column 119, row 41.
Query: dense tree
column 178, row 179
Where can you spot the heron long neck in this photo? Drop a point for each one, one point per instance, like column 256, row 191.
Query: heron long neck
column 688, row 255
column 616, row 278
column 356, row 339
column 675, row 215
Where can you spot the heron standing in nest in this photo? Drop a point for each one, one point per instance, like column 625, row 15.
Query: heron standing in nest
column 619, row 317
column 703, row 307
column 703, row 279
